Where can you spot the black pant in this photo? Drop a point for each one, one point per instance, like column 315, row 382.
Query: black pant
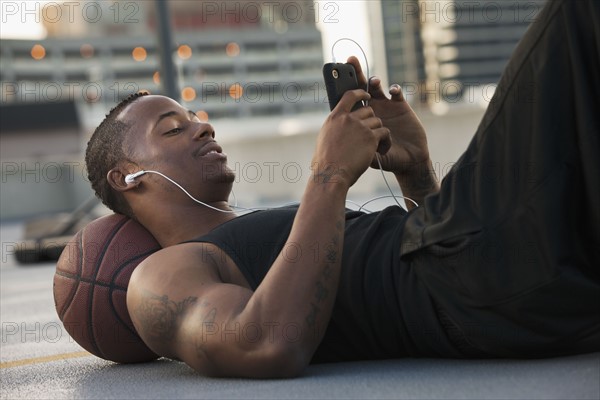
column 510, row 246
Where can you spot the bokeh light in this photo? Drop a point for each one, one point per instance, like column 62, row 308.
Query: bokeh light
column 232, row 49
column 188, row 93
column 38, row 52
column 86, row 50
column 156, row 78
column 203, row 115
column 236, row 91
column 139, row 54
column 184, row 51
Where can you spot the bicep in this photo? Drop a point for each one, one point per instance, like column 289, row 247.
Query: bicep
column 192, row 316
column 175, row 294
column 198, row 327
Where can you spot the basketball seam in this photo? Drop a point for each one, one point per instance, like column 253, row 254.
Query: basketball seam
column 109, row 240
column 87, row 280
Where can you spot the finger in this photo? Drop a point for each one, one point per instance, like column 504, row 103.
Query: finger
column 350, row 98
column 375, row 88
column 396, row 92
column 360, row 76
column 384, row 138
column 364, row 112
column 373, row 123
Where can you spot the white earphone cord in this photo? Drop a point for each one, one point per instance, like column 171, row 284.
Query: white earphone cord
column 377, row 155
column 131, row 177
column 186, row 192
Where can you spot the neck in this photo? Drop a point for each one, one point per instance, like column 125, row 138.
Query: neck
column 173, row 225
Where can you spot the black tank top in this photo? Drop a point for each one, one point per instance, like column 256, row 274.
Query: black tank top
column 381, row 310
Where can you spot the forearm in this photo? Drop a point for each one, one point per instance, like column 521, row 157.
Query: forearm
column 300, row 288
column 417, row 182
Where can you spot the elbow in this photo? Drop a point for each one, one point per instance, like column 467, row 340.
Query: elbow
column 294, row 364
column 259, row 361
column 286, row 361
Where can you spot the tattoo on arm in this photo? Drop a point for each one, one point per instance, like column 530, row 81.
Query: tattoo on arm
column 323, row 285
column 159, row 315
column 327, row 174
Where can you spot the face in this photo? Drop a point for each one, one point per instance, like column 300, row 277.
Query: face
column 171, row 139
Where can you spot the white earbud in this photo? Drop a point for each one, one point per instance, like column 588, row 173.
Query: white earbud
column 131, row 177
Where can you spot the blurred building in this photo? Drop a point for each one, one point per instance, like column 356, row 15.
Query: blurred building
column 94, row 18
column 254, row 63
column 396, row 31
column 449, row 50
column 233, row 58
column 253, row 69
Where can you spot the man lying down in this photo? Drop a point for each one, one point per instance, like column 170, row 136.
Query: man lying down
column 492, row 263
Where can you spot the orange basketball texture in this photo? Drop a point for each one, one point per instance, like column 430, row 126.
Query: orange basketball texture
column 90, row 287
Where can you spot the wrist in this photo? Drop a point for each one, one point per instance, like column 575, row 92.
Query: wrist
column 418, row 181
column 325, row 196
column 329, row 176
column 416, row 171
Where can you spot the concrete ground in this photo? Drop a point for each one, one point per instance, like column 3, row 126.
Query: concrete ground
column 39, row 360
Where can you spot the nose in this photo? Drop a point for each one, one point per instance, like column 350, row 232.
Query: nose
column 203, row 131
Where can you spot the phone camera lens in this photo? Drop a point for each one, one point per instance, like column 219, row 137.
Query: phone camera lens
column 335, row 73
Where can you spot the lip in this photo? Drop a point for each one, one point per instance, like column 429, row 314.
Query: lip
column 207, row 148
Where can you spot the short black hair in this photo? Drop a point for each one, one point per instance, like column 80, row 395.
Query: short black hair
column 104, row 152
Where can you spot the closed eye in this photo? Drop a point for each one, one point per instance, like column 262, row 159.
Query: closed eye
column 174, row 131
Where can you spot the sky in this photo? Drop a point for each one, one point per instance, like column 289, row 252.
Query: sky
column 17, row 20
column 343, row 19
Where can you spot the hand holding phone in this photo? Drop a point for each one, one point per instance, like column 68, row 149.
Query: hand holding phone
column 339, row 78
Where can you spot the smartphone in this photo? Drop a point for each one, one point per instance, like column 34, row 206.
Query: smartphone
column 339, row 78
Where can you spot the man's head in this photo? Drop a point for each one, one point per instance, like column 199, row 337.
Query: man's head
column 105, row 151
column 154, row 132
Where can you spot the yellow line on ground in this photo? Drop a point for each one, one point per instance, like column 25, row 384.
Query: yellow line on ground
column 40, row 360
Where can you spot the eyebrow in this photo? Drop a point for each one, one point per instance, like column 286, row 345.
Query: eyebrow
column 172, row 114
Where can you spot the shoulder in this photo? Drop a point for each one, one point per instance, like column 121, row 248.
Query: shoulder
column 182, row 260
column 178, row 301
column 182, row 264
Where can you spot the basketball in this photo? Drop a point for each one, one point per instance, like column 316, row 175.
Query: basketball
column 90, row 287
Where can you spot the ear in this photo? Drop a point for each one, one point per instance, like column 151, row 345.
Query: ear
column 116, row 179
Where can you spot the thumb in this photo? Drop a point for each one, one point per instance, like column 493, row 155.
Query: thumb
column 396, row 92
